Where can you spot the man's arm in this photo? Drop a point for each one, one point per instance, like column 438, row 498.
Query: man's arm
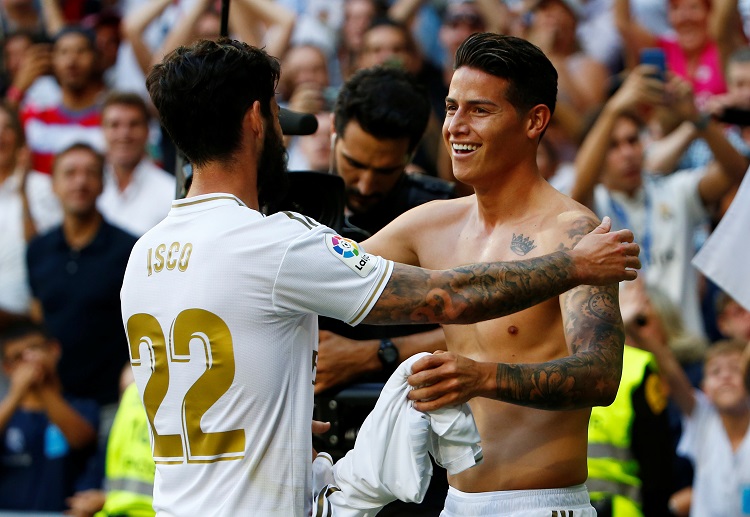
column 482, row 291
column 588, row 377
column 342, row 360
column 638, row 88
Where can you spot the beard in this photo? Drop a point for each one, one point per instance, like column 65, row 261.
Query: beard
column 273, row 179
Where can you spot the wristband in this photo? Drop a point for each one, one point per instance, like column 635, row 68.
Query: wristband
column 701, row 123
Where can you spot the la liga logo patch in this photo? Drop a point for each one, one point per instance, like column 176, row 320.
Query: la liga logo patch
column 350, row 254
column 347, row 248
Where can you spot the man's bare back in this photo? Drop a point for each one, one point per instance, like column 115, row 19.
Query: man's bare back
column 524, row 447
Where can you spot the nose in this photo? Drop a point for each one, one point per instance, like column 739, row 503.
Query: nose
column 366, row 183
column 457, row 123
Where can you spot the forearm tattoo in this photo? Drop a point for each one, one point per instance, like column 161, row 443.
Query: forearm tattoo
column 471, row 293
column 590, row 376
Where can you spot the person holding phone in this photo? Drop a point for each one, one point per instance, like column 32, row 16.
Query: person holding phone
column 705, row 36
column 663, row 211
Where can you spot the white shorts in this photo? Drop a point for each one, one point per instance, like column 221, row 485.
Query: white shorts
column 557, row 502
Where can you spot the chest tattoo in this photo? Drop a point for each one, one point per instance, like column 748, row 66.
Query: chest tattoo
column 521, row 245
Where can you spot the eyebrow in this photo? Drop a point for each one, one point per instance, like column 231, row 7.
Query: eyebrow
column 474, row 102
column 360, row 165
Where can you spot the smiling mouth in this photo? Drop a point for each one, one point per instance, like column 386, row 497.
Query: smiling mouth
column 464, row 148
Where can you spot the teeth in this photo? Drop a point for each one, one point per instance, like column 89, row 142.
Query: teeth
column 464, row 147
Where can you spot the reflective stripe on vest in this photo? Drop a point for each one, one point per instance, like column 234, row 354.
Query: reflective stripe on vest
column 129, row 485
column 613, row 487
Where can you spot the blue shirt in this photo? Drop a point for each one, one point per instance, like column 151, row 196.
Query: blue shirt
column 79, row 291
column 37, row 468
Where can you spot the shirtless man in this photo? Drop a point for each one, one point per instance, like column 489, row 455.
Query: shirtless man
column 500, row 101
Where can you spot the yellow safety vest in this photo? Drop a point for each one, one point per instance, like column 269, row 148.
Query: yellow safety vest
column 130, row 465
column 613, row 472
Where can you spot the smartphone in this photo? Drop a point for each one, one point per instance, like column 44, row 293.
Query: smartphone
column 655, row 57
column 735, row 116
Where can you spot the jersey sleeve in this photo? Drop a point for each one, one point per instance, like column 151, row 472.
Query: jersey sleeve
column 326, row 274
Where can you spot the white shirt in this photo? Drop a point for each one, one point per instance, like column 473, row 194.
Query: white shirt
column 236, row 296
column 720, row 474
column 15, row 295
column 675, row 212
column 145, row 201
column 390, row 459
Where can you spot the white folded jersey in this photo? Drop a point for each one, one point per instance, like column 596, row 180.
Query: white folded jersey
column 220, row 304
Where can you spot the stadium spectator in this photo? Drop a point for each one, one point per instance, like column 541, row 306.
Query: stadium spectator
column 27, row 207
column 75, row 273
column 45, row 436
column 664, row 212
column 77, row 117
column 137, row 193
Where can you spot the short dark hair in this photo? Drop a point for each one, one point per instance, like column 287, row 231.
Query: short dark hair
column 531, row 76
column 84, row 32
column 385, row 21
column 79, row 146
column 134, row 100
column 203, row 91
column 387, row 102
column 17, row 329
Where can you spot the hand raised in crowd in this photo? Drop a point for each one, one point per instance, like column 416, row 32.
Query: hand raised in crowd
column 37, row 61
column 640, row 89
column 681, row 99
column 341, row 360
column 642, row 323
column 308, row 98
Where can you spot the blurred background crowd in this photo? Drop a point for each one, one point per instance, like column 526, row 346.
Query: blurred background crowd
column 85, row 169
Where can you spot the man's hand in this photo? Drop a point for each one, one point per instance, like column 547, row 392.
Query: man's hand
column 604, row 258
column 639, row 89
column 85, row 503
column 341, row 360
column 448, row 379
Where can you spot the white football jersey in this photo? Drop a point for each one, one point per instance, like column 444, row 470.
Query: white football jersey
column 220, row 305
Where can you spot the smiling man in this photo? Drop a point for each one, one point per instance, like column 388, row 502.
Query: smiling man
column 499, row 104
column 137, row 193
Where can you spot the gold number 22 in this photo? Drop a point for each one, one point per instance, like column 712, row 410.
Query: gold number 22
column 192, row 444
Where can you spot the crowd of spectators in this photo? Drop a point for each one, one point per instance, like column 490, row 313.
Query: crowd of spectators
column 85, row 169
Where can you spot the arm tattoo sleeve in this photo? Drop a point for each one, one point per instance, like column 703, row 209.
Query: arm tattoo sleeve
column 471, row 293
column 590, row 376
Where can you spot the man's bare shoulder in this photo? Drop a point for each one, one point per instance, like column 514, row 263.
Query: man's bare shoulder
column 565, row 221
column 402, row 239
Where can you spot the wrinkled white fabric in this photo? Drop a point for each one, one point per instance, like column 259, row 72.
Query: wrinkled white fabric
column 390, row 459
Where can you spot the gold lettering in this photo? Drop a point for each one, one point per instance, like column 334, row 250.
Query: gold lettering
column 185, row 257
column 148, row 262
column 174, row 248
column 160, row 249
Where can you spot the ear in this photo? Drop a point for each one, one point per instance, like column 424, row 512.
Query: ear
column 253, row 121
column 537, row 121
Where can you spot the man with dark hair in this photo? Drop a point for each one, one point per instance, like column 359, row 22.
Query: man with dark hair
column 75, row 273
column 77, row 116
column 220, row 303
column 380, row 117
column 562, row 354
column 137, row 193
column 663, row 210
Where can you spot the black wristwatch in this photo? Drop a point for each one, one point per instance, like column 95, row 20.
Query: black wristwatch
column 388, row 355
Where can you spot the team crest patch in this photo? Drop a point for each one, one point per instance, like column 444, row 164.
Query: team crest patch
column 349, row 252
